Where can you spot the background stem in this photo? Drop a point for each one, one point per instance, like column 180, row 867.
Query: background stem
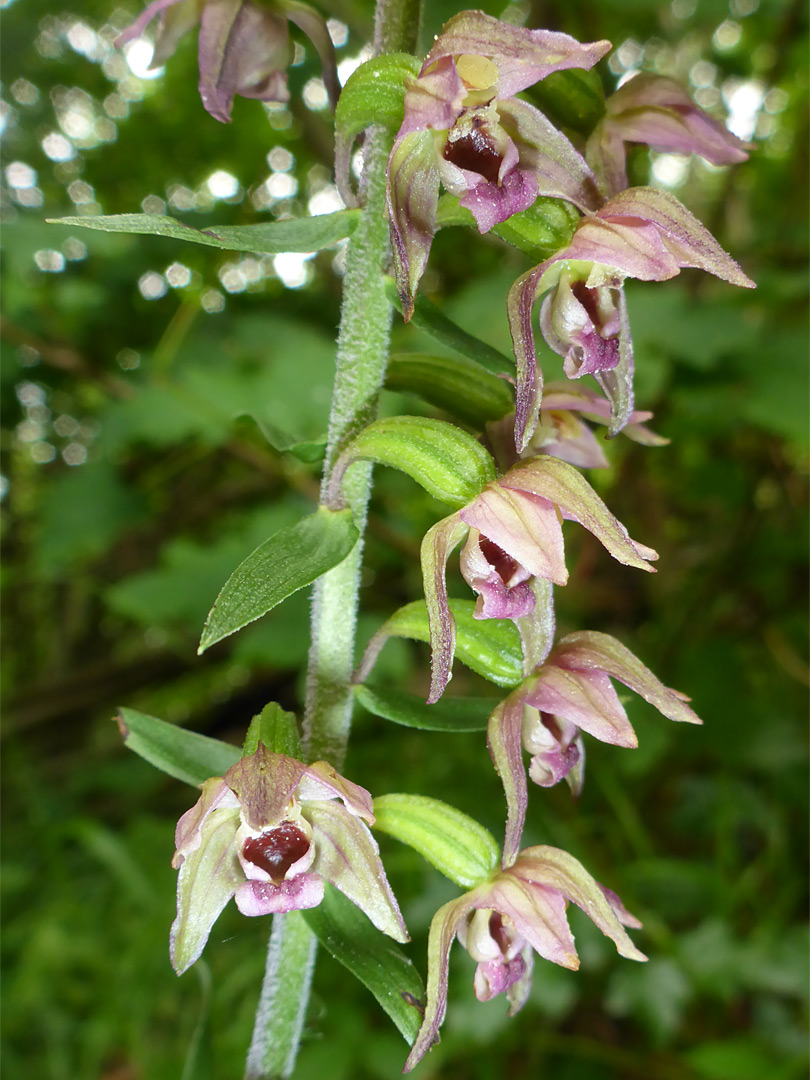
column 362, row 356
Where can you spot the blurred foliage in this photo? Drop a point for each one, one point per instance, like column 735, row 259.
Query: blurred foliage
column 136, row 477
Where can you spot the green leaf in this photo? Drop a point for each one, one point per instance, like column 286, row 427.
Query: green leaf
column 491, row 647
column 546, row 227
column 450, row 465
column 372, row 957
column 289, row 560
column 428, row 318
column 185, row 755
column 374, row 94
column 277, row 729
column 307, row 450
column 456, row 384
column 270, row 238
column 454, row 843
column 410, row 710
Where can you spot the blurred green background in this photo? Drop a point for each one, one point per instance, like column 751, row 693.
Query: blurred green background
column 135, row 478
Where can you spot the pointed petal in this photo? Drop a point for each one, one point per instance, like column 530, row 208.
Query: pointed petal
column 243, row 49
column 313, row 24
column 265, row 898
column 560, row 170
column 658, row 111
column 688, row 241
column 264, row 783
column 529, row 388
column 561, row 484
column 618, row 383
column 622, row 246
column 554, row 869
column 143, row 20
column 586, row 699
column 522, row 56
column 322, row 781
column 435, row 99
column 188, row 835
column 437, row 545
column 347, row 856
column 619, row 910
column 506, row 751
column 523, row 525
column 537, row 630
column 588, row 650
column 412, row 195
column 538, row 914
column 443, row 928
column 207, row 880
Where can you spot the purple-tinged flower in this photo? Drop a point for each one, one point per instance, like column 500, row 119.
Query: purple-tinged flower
column 503, row 922
column 269, row 833
column 569, row 693
column 642, row 233
column 658, row 111
column 244, row 47
column 514, row 535
column 464, row 128
column 561, row 431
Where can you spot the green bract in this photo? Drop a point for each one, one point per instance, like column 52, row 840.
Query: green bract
column 450, row 465
column 454, row 843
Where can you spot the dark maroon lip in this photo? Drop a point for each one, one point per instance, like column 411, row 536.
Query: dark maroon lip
column 276, row 851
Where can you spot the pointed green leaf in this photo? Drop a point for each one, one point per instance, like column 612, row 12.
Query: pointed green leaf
column 456, row 384
column 449, row 464
column 277, row 729
column 308, row 450
column 270, row 238
column 454, row 843
column 491, row 647
column 410, row 710
column 430, row 319
column 185, row 755
column 289, row 560
column 372, row 957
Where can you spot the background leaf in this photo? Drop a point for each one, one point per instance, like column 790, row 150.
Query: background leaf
column 185, row 755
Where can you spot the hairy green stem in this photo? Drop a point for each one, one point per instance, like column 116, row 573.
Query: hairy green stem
column 362, row 356
column 283, row 999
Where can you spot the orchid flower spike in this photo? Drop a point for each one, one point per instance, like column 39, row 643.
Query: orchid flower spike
column 513, row 532
column 464, row 128
column 561, row 431
column 570, row 693
column 642, row 233
column 502, row 922
column 658, row 111
column 270, row 832
column 244, row 47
